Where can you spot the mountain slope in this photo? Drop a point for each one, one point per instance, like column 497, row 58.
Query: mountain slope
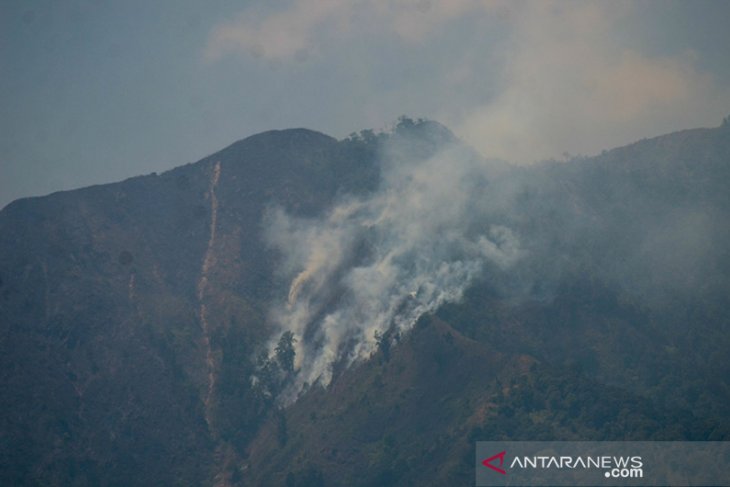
column 132, row 314
column 108, row 357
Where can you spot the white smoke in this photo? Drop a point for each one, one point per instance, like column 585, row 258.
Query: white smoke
column 376, row 264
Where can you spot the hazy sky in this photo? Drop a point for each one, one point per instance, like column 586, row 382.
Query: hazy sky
column 94, row 91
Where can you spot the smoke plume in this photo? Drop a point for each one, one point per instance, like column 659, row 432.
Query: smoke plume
column 372, row 265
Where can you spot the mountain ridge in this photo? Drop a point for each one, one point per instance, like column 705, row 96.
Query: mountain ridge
column 118, row 302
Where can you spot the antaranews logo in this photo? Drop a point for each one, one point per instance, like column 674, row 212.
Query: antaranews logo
column 614, row 466
column 598, row 463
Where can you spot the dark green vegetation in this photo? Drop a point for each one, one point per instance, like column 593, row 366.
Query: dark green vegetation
column 131, row 317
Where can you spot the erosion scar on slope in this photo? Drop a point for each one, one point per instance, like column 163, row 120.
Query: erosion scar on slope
column 208, row 261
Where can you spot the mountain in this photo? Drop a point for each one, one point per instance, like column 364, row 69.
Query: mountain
column 588, row 301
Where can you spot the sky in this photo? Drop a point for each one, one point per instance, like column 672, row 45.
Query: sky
column 95, row 91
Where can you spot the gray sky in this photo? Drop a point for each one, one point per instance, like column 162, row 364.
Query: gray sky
column 94, row 91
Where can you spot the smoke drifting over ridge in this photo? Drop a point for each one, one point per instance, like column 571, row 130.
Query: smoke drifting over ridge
column 373, row 265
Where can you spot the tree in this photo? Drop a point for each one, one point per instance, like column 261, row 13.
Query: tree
column 285, row 351
column 382, row 341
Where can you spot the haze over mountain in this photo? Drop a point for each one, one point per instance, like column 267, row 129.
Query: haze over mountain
column 97, row 91
column 301, row 310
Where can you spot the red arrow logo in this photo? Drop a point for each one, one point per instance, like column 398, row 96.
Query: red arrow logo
column 488, row 462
